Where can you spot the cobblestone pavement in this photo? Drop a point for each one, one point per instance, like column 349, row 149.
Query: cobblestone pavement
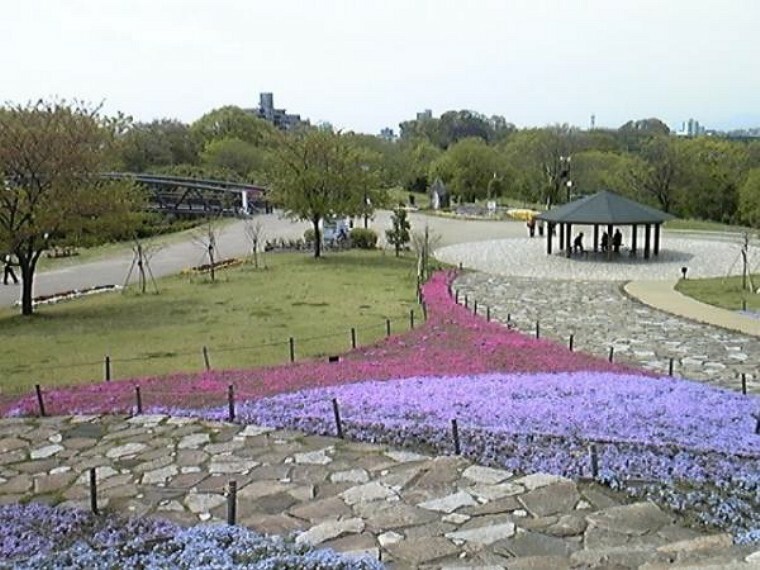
column 600, row 315
column 527, row 257
column 413, row 511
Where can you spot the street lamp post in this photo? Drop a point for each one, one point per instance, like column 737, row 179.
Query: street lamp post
column 564, row 173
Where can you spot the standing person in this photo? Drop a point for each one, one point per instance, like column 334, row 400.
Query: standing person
column 617, row 241
column 578, row 243
column 531, row 227
column 605, row 241
column 8, row 270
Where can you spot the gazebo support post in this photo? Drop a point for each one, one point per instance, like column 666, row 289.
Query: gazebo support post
column 609, row 241
column 561, row 236
column 568, row 240
column 549, row 236
column 647, row 227
column 634, row 234
column 596, row 238
column 657, row 239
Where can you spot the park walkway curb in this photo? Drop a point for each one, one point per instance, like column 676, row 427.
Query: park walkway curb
column 661, row 295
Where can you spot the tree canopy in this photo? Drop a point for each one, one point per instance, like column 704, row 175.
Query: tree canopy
column 317, row 174
column 50, row 157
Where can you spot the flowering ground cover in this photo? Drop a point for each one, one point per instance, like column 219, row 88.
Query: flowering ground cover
column 522, row 403
column 39, row 536
column 452, row 341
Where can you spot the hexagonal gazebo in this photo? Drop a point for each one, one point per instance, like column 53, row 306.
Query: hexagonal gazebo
column 605, row 208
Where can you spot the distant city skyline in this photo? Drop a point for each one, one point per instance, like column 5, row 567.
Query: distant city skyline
column 367, row 66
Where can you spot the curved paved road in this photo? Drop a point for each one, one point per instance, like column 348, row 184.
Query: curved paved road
column 232, row 241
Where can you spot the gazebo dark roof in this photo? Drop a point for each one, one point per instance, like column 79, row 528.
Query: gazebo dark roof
column 603, row 208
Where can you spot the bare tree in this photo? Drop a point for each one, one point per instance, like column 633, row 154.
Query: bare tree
column 207, row 239
column 254, row 231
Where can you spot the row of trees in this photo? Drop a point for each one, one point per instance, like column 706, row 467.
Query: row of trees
column 52, row 152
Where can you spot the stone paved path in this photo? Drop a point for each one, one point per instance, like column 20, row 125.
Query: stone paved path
column 414, row 511
column 600, row 316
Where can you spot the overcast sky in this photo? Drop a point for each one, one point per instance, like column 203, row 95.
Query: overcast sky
column 366, row 64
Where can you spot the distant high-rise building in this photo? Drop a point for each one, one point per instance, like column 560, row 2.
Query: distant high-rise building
column 278, row 117
column 387, row 134
column 593, row 122
column 425, row 115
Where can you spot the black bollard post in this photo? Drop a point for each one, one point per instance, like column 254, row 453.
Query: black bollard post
column 612, row 352
column 232, row 502
column 93, row 492
column 40, row 402
column 138, row 398
column 108, row 368
column 424, row 310
column 570, row 342
column 387, row 327
column 231, row 403
column 670, row 367
column 455, row 435
column 456, row 296
column 475, row 307
column 353, row 337
column 593, row 460
column 757, row 425
column 411, row 319
column 338, row 423
column 538, row 329
column 206, row 360
column 292, row 342
column 744, row 384
column 466, row 301
column 488, row 314
column 460, row 266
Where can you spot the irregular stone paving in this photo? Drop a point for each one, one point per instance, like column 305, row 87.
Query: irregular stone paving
column 600, row 315
column 411, row 510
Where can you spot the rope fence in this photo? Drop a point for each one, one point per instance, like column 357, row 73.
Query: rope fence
column 293, row 348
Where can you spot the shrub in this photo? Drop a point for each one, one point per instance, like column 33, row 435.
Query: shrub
column 308, row 236
column 363, row 238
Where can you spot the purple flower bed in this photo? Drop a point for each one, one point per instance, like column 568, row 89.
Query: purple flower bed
column 660, row 431
column 39, row 536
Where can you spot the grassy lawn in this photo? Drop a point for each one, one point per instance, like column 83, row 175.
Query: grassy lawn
column 400, row 195
column 245, row 320
column 721, row 292
column 704, row 225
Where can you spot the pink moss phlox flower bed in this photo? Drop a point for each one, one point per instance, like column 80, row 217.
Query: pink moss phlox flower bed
column 451, row 342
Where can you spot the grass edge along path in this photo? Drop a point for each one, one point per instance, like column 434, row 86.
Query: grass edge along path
column 723, row 292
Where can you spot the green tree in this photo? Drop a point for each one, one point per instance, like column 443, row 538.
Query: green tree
column 595, row 170
column 418, row 155
column 232, row 122
column 749, row 199
column 234, row 155
column 147, row 146
column 398, row 236
column 316, row 174
column 535, row 156
column 657, row 171
column 50, row 157
column 708, row 182
column 468, row 169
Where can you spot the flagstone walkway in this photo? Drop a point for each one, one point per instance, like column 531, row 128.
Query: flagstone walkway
column 600, row 315
column 411, row 510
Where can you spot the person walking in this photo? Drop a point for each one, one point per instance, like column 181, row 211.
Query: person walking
column 8, row 270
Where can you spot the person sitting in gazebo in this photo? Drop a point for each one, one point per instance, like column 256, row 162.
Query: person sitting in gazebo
column 578, row 243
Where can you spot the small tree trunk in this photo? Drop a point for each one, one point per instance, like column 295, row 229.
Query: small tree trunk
column 397, row 245
column 27, row 279
column 317, row 238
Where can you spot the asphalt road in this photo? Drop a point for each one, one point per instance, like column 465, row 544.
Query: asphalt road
column 232, row 241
